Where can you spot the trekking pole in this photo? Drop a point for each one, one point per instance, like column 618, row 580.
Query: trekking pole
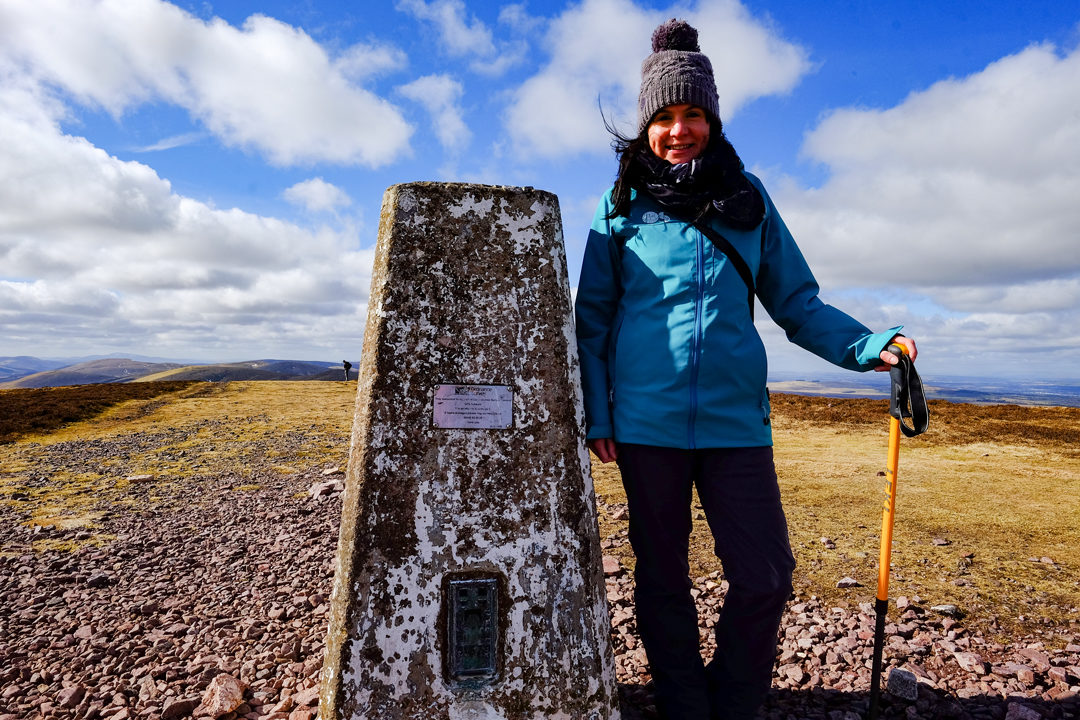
column 905, row 401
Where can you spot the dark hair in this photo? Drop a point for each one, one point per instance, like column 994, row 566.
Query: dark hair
column 626, row 149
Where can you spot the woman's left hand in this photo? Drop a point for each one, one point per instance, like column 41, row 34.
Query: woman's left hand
column 891, row 359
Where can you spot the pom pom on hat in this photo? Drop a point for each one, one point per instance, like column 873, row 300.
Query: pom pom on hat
column 675, row 35
column 676, row 72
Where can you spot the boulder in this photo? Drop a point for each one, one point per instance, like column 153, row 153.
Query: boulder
column 224, row 695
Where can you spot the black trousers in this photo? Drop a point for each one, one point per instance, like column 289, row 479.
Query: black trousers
column 741, row 499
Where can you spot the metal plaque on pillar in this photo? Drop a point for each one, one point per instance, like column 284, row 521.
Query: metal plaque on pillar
column 469, row 583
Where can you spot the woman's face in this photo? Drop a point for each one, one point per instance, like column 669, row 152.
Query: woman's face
column 679, row 133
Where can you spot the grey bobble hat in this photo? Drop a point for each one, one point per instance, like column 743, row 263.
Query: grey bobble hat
column 677, row 72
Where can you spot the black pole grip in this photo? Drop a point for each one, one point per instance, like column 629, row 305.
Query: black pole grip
column 896, row 381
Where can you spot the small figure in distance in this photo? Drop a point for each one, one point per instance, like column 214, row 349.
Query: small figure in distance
column 348, row 366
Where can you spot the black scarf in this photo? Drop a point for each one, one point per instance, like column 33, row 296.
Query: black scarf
column 712, row 181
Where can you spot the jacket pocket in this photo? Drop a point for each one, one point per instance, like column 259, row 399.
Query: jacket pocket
column 766, row 408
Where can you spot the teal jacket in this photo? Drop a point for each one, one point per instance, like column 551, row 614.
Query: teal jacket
column 669, row 352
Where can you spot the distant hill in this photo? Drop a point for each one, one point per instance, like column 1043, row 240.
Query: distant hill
column 13, row 368
column 253, row 370
column 123, row 370
column 111, row 370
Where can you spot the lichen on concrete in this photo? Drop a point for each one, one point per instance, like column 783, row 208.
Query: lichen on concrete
column 469, row 287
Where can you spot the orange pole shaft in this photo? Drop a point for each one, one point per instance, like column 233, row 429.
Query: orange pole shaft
column 888, row 509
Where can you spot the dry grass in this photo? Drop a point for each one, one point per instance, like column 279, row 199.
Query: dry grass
column 996, row 483
column 189, row 430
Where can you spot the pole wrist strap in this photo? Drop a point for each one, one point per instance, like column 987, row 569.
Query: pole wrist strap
column 908, row 401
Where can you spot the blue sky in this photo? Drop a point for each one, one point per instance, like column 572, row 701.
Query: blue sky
column 203, row 180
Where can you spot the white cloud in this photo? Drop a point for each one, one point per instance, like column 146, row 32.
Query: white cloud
column 174, row 141
column 514, row 50
column 317, row 195
column 750, row 60
column 364, row 61
column 596, row 52
column 46, row 300
column 440, row 95
column 593, row 54
column 103, row 251
column 1041, row 296
column 517, row 18
column 961, row 202
column 62, row 181
column 460, row 35
column 265, row 86
column 971, row 183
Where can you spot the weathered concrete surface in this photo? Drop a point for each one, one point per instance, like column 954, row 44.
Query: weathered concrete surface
column 469, row 287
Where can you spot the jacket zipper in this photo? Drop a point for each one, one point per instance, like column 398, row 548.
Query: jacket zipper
column 613, row 344
column 695, row 345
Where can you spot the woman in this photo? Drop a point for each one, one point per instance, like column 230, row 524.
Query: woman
column 674, row 372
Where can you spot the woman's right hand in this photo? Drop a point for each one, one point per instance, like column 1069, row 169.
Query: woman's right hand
column 603, row 448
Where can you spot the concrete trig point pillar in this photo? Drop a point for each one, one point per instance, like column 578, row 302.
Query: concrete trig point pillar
column 469, row 581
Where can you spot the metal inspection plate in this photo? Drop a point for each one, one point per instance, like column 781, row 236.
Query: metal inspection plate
column 473, row 627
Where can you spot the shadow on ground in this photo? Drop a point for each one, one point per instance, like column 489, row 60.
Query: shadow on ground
column 826, row 704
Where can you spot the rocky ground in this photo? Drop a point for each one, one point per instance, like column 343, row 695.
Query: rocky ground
column 207, row 597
